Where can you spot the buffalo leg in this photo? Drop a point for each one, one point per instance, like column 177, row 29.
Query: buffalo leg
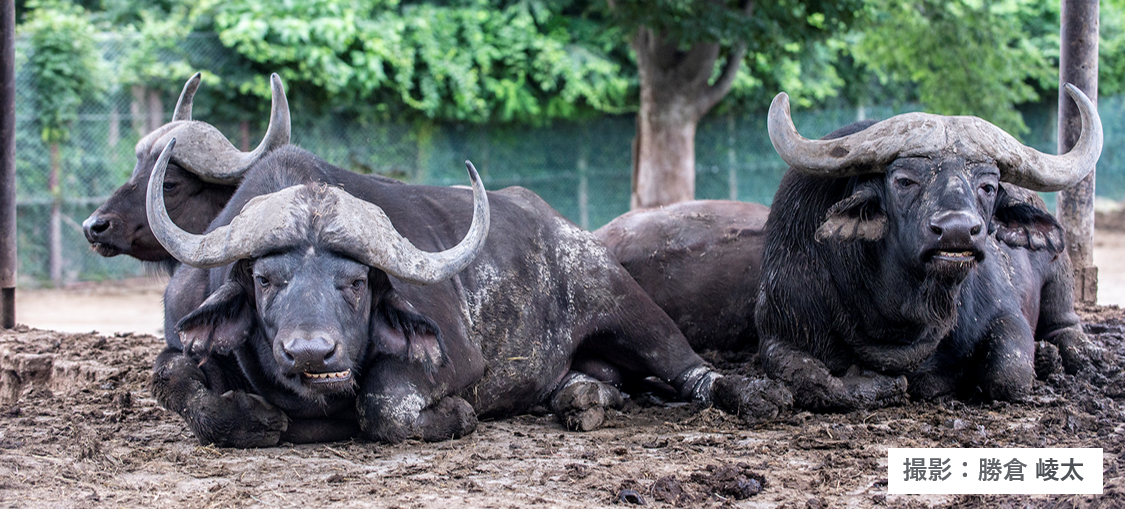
column 397, row 403
column 1059, row 325
column 214, row 412
column 580, row 401
column 814, row 387
column 645, row 342
column 1008, row 355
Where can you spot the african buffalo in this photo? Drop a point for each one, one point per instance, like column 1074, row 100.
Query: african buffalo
column 201, row 178
column 700, row 261
column 332, row 312
column 895, row 255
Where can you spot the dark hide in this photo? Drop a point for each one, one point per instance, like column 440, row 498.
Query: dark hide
column 120, row 225
column 423, row 362
column 700, row 261
column 875, row 281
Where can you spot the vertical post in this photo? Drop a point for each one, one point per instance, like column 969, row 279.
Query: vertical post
column 1078, row 65
column 7, row 164
column 583, row 188
column 732, row 160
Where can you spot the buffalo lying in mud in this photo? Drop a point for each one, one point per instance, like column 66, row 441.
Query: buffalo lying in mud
column 700, row 261
column 894, row 255
column 333, row 312
column 202, row 176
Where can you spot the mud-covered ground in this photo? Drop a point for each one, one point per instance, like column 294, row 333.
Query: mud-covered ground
column 78, row 428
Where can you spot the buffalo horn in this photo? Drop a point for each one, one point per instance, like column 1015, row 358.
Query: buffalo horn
column 183, row 105
column 381, row 246
column 350, row 225
column 211, row 156
column 911, row 134
column 219, row 247
column 1030, row 168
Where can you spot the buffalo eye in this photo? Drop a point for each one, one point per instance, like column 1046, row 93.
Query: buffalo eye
column 988, row 189
column 169, row 186
column 262, row 281
column 904, row 182
column 359, row 284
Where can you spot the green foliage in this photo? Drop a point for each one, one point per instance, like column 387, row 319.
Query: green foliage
column 790, row 43
column 156, row 57
column 971, row 57
column 65, row 63
column 1111, row 48
column 465, row 61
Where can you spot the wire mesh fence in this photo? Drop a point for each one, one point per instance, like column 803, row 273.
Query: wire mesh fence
column 583, row 169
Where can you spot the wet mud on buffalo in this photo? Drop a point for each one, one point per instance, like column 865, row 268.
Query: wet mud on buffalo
column 907, row 258
column 321, row 320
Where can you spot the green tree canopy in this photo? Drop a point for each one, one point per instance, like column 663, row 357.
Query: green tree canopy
column 65, row 63
column 474, row 60
column 964, row 57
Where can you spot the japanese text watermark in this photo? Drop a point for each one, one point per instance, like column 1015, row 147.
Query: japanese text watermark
column 994, row 471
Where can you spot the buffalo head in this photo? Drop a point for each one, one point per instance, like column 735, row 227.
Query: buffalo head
column 931, row 185
column 201, row 177
column 307, row 282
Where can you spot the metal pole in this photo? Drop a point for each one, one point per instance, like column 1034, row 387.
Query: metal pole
column 7, row 163
column 1078, row 64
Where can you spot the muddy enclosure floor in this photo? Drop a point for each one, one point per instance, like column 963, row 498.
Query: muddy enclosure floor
column 79, row 428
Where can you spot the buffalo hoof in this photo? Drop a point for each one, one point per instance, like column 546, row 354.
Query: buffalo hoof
column 1047, row 360
column 581, row 403
column 930, row 385
column 1078, row 353
column 752, row 399
column 237, row 419
column 450, row 418
column 865, row 389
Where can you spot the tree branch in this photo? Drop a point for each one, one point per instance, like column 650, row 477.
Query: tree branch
column 721, row 87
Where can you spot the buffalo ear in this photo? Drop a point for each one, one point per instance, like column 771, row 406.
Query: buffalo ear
column 1021, row 224
column 398, row 330
column 857, row 217
column 222, row 323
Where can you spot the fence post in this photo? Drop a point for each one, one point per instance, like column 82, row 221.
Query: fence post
column 7, row 163
column 732, row 160
column 1078, row 65
column 583, row 189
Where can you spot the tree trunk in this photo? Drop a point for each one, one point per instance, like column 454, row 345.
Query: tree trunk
column 137, row 109
column 675, row 94
column 244, row 132
column 155, row 110
column 54, row 234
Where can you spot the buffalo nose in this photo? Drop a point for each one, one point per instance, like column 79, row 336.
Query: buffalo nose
column 95, row 226
column 956, row 228
column 308, row 354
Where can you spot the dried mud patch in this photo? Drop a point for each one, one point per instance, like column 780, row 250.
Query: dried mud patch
column 78, row 428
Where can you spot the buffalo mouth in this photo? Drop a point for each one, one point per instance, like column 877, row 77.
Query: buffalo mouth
column 953, row 259
column 328, row 380
column 954, row 256
column 106, row 250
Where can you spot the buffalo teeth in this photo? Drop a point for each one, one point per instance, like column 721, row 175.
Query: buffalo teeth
column 328, row 376
column 961, row 254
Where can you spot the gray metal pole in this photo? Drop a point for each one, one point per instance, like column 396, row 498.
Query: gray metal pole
column 7, row 163
column 1078, row 64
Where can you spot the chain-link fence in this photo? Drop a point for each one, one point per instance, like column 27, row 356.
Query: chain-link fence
column 583, row 169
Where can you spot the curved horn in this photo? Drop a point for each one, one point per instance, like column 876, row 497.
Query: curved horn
column 916, row 133
column 183, row 105
column 1030, row 168
column 210, row 155
column 363, row 229
column 264, row 223
column 854, row 154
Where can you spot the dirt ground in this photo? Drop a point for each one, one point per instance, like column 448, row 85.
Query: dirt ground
column 78, row 428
